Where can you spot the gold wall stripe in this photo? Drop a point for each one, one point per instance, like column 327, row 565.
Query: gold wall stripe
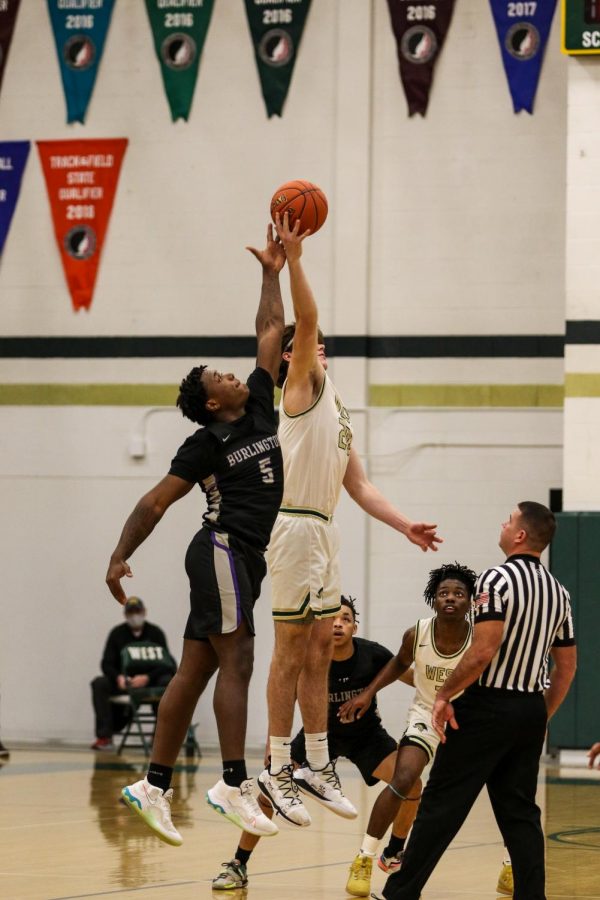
column 466, row 395
column 485, row 395
column 88, row 394
column 580, row 384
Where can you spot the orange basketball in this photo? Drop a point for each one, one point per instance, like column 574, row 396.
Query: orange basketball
column 302, row 200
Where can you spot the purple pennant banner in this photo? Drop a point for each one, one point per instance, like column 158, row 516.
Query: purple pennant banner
column 13, row 156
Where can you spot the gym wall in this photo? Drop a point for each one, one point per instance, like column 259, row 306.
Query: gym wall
column 447, row 227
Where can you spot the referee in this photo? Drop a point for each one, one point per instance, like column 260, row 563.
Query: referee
column 497, row 727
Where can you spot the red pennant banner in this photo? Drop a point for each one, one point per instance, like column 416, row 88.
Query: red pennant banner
column 81, row 178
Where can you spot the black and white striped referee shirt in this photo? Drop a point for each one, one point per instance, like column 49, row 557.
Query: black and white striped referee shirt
column 536, row 612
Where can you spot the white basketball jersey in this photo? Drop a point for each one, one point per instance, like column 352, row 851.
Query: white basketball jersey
column 315, row 445
column 431, row 667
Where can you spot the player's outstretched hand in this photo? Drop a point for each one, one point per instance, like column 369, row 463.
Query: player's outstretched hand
column 593, row 752
column 118, row 569
column 272, row 258
column 443, row 712
column 423, row 535
column 290, row 237
column 355, row 708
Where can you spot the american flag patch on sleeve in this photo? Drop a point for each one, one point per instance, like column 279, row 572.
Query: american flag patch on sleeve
column 481, row 599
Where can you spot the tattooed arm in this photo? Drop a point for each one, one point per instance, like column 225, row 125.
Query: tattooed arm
column 147, row 513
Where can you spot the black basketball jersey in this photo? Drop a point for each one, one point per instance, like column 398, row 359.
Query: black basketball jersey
column 239, row 467
column 350, row 677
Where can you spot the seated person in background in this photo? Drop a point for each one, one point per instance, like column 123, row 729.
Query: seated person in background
column 149, row 664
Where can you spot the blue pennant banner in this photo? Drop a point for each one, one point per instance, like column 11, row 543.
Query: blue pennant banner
column 79, row 32
column 13, row 156
column 523, row 27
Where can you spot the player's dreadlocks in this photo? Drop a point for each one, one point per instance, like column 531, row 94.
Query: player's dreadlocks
column 450, row 570
column 350, row 603
column 192, row 397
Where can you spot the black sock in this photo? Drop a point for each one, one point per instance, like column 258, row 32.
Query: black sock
column 243, row 856
column 395, row 846
column 160, row 776
column 234, row 772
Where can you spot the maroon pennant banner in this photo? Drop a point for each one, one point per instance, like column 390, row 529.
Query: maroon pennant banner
column 8, row 16
column 420, row 30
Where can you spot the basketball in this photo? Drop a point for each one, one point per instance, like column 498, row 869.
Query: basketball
column 303, row 201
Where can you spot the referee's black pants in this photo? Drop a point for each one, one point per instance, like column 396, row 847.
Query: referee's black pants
column 498, row 744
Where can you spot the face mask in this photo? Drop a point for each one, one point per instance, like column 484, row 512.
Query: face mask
column 136, row 621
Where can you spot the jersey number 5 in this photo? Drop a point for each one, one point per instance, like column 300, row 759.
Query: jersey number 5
column 266, row 470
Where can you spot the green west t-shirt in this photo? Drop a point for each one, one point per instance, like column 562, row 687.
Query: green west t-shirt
column 145, row 658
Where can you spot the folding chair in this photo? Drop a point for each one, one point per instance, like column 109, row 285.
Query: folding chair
column 139, row 730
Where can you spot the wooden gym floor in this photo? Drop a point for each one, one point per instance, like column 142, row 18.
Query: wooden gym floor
column 65, row 836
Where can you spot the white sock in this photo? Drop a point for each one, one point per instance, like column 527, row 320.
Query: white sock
column 281, row 752
column 317, row 749
column 369, row 846
column 506, row 861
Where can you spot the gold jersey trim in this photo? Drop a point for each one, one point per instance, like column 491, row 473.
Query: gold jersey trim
column 458, row 652
column 306, row 411
column 305, row 511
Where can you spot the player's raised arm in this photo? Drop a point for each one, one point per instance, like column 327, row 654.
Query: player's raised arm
column 148, row 511
column 372, row 501
column 397, row 666
column 305, row 368
column 269, row 317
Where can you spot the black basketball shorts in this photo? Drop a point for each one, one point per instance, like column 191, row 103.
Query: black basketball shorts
column 225, row 577
column 366, row 752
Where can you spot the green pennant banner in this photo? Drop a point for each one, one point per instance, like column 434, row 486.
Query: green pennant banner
column 276, row 27
column 179, row 28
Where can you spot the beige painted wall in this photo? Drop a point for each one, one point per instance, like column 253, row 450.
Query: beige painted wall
column 453, row 224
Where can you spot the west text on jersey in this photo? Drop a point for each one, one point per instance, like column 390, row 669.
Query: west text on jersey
column 437, row 673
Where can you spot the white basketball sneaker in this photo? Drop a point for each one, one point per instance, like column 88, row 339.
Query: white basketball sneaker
column 239, row 805
column 153, row 806
column 324, row 785
column 282, row 793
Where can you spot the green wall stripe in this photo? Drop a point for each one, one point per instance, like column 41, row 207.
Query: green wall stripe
column 485, row 395
column 227, row 346
column 88, row 394
column 580, row 384
column 474, row 395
